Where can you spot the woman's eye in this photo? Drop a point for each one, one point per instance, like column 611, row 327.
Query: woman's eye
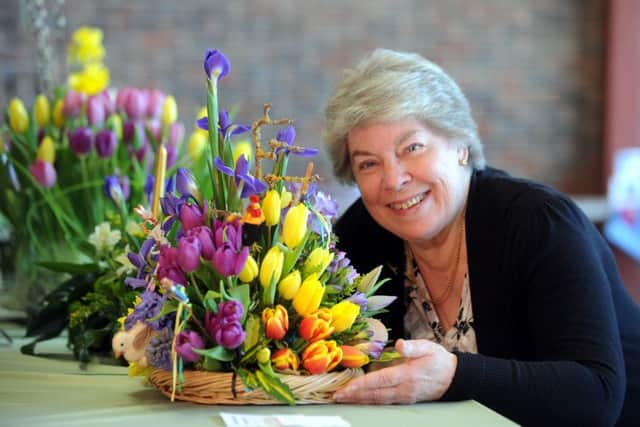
column 366, row 165
column 413, row 147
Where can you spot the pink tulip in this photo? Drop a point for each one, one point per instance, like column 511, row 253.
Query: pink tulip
column 72, row 105
column 44, row 173
column 95, row 110
column 156, row 101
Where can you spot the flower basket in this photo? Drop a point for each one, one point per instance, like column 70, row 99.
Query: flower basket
column 225, row 388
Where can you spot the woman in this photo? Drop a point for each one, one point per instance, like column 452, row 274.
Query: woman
column 507, row 293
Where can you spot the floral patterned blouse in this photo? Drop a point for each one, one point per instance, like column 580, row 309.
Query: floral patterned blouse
column 421, row 319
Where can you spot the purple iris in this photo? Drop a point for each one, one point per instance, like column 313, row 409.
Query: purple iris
column 186, row 184
column 251, row 185
column 148, row 188
column 113, row 190
column 288, row 135
column 227, row 129
column 216, row 64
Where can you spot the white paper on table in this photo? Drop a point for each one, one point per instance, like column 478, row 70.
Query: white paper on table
column 245, row 420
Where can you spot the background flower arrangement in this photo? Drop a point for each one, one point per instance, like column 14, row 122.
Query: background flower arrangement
column 242, row 275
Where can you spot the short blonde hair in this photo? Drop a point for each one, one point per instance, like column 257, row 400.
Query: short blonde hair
column 388, row 86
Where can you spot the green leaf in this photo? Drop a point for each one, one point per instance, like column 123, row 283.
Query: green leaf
column 69, row 267
column 218, row 353
column 211, row 364
column 275, row 387
column 368, row 280
column 211, row 300
column 248, row 378
column 169, row 306
column 241, row 293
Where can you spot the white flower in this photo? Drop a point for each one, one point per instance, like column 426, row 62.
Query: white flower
column 103, row 238
column 123, row 260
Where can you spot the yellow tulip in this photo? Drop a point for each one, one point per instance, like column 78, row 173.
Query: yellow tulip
column 271, row 207
column 197, row 144
column 58, row 113
column 117, row 125
column 289, row 286
column 317, row 261
column 285, row 198
column 271, row 267
column 242, row 147
column 47, row 150
column 343, row 315
column 18, row 117
column 250, row 270
column 169, row 111
column 295, row 225
column 41, row 110
column 309, row 296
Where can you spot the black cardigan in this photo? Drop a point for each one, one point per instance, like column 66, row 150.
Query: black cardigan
column 551, row 315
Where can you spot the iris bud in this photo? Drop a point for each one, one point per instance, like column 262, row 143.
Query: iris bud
column 271, row 207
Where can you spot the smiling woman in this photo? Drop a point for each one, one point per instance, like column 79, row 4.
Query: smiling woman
column 508, row 294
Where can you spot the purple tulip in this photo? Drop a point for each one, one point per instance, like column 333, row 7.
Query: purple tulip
column 44, row 173
column 231, row 310
column 95, row 110
column 205, row 237
column 106, row 141
column 228, row 233
column 192, row 216
column 172, row 156
column 155, row 103
column 216, row 64
column 186, row 341
column 107, row 103
column 135, row 104
column 230, row 335
column 154, row 127
column 72, row 104
column 81, row 141
column 168, row 265
column 186, row 184
column 176, row 134
column 113, row 190
column 213, row 322
column 228, row 261
column 189, row 253
column 121, row 99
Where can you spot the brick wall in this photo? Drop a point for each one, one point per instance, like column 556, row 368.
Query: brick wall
column 532, row 69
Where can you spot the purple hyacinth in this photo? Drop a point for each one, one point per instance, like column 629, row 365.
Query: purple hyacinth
column 159, row 349
column 150, row 305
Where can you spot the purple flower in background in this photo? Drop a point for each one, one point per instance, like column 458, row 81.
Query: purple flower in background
column 186, row 184
column 141, row 261
column 192, row 216
column 188, row 253
column 288, row 135
column 107, row 103
column 186, row 341
column 372, row 348
column 125, row 185
column 81, row 141
column 172, row 156
column 155, row 103
column 72, row 104
column 154, row 127
column 158, row 350
column 148, row 188
column 227, row 129
column 106, row 142
column 216, row 64
column 171, row 204
column 176, row 135
column 95, row 110
column 250, row 184
column 113, row 190
column 135, row 103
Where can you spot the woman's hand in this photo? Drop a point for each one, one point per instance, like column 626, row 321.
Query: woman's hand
column 425, row 374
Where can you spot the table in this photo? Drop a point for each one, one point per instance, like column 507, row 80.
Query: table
column 53, row 391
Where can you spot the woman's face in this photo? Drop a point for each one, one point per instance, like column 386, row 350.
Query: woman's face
column 410, row 178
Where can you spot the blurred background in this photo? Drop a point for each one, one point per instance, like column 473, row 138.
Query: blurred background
column 553, row 84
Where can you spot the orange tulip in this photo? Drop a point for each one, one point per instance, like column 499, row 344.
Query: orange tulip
column 352, row 357
column 313, row 329
column 321, row 356
column 284, row 359
column 276, row 322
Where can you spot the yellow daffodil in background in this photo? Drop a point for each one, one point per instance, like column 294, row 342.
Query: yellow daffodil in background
column 86, row 46
column 92, row 79
column 18, row 116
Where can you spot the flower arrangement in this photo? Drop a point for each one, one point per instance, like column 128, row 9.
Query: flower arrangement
column 243, row 277
column 75, row 146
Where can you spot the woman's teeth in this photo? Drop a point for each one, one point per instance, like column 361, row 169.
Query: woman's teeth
column 409, row 203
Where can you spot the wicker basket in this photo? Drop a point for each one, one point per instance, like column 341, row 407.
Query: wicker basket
column 215, row 388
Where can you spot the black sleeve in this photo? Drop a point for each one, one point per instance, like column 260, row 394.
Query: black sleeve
column 574, row 374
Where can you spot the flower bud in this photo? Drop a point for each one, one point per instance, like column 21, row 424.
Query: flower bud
column 192, row 216
column 250, row 270
column 353, row 357
column 197, row 144
column 189, row 253
column 276, row 322
column 295, row 225
column 314, row 329
column 47, row 150
column 44, row 173
column 285, row 198
column 263, row 355
column 155, row 104
column 271, row 267
column 317, row 261
column 81, row 141
column 176, row 134
column 135, row 103
column 321, row 356
column 72, row 104
column 95, row 110
column 106, row 142
column 216, row 65
column 308, row 298
column 343, row 315
column 58, row 113
column 271, row 207
column 169, row 111
column 113, row 190
column 285, row 359
column 186, row 184
column 41, row 110
column 18, row 117
column 289, row 286
column 186, row 341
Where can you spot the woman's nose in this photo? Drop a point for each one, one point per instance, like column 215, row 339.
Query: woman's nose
column 396, row 177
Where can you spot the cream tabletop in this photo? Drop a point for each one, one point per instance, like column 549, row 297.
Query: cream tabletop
column 52, row 390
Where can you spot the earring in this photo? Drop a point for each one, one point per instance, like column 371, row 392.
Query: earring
column 465, row 160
